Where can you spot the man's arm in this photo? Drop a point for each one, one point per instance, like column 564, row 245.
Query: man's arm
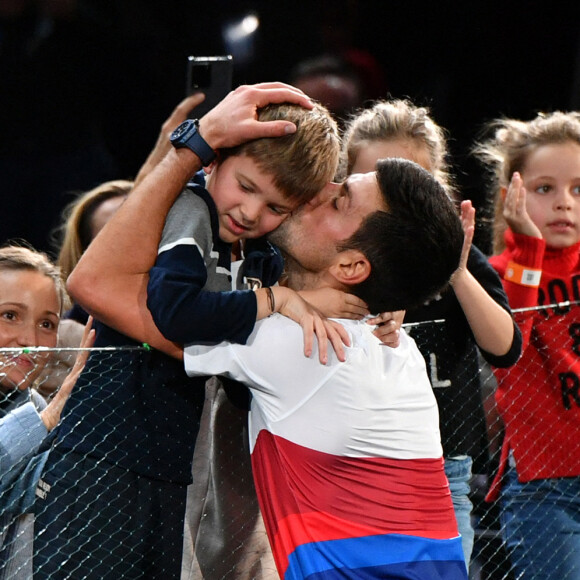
column 110, row 280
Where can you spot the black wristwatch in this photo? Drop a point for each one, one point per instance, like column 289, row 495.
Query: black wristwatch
column 187, row 135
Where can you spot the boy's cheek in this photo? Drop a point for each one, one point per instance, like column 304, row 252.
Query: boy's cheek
column 267, row 225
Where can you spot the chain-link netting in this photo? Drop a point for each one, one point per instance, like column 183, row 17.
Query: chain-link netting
column 105, row 438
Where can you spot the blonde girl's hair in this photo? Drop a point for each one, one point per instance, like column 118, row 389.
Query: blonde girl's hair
column 75, row 232
column 17, row 258
column 396, row 120
column 508, row 150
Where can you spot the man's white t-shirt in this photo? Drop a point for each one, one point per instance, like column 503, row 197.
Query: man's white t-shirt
column 346, row 456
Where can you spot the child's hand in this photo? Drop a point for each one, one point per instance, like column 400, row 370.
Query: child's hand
column 292, row 305
column 514, row 209
column 334, row 303
column 468, row 223
column 51, row 415
column 388, row 327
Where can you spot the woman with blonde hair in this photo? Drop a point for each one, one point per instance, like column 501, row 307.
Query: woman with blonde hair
column 84, row 217
column 31, row 301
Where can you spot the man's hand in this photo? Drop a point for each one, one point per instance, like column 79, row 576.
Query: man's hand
column 235, row 119
column 231, row 122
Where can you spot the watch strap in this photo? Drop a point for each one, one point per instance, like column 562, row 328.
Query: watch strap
column 187, row 135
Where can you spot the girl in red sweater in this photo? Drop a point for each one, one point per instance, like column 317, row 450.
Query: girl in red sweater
column 536, row 247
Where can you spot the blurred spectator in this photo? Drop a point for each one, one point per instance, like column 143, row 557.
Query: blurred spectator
column 83, row 219
column 331, row 81
column 340, row 21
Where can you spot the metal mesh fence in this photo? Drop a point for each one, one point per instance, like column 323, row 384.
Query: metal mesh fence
column 470, row 424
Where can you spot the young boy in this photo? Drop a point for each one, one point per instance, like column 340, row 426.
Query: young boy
column 113, row 492
column 251, row 189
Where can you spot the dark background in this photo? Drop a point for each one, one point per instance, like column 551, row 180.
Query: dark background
column 84, row 92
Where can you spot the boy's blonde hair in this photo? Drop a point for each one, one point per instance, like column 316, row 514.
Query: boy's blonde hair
column 301, row 163
column 16, row 258
column 396, row 120
column 75, row 231
column 509, row 148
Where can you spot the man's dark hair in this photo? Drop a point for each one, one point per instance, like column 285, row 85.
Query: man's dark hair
column 414, row 246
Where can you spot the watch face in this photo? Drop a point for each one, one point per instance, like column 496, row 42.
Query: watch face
column 186, row 135
column 179, row 131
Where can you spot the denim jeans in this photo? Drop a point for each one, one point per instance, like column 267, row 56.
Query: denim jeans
column 541, row 527
column 458, row 472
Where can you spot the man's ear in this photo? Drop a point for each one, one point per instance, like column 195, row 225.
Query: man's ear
column 351, row 267
column 503, row 192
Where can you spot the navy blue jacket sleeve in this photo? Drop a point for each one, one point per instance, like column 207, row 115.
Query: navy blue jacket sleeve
column 185, row 312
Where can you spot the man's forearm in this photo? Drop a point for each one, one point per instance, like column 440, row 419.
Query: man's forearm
column 115, row 266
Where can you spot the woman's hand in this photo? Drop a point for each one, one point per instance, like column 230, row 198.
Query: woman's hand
column 51, row 414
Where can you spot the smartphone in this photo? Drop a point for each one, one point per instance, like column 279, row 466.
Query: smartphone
column 211, row 75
